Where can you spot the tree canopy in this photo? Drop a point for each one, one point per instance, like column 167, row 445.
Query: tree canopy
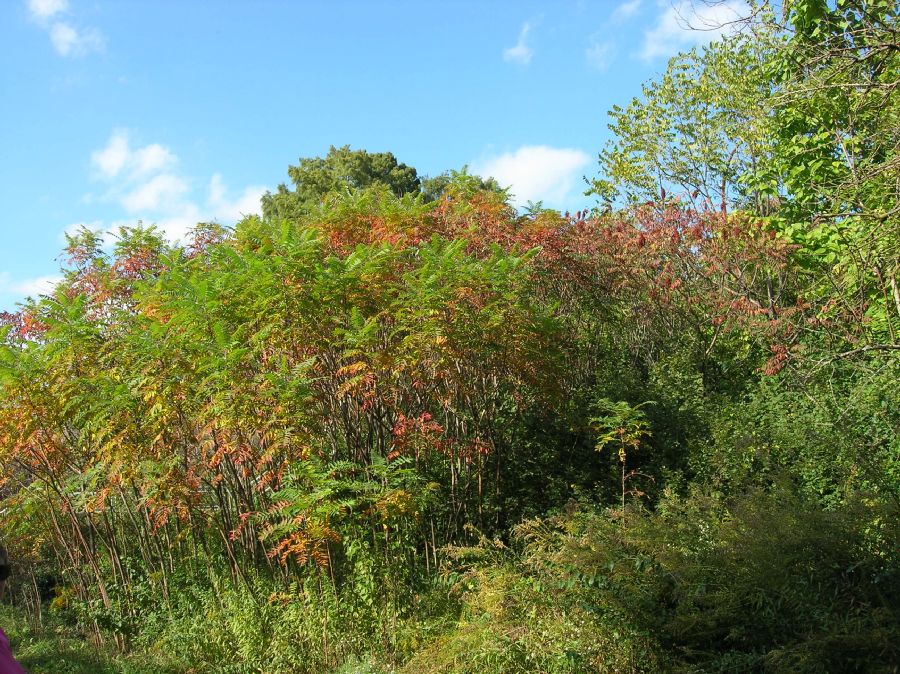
column 341, row 169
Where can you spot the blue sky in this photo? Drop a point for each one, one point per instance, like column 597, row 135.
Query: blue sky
column 174, row 112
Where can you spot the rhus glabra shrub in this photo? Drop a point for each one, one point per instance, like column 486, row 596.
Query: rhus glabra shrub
column 360, row 432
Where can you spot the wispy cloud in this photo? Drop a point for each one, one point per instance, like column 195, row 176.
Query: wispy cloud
column 69, row 41
column 537, row 173
column 144, row 181
column 139, row 178
column 66, row 38
column 626, row 10
column 29, row 287
column 603, row 46
column 159, row 193
column 111, row 159
column 75, row 227
column 600, row 53
column 520, row 52
column 687, row 24
column 46, row 9
column 224, row 209
column 117, row 157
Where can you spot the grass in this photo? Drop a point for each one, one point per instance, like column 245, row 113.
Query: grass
column 57, row 649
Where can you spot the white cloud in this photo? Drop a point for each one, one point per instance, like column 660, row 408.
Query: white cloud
column 110, row 235
column 67, row 39
column 112, row 158
column 603, row 45
column 177, row 226
column 223, row 209
column 32, row 287
column 174, row 226
column 536, row 173
column 687, row 24
column 37, row 286
column 144, row 183
column 45, row 9
column 599, row 54
column 626, row 10
column 118, row 156
column 520, row 52
column 151, row 158
column 160, row 193
column 76, row 227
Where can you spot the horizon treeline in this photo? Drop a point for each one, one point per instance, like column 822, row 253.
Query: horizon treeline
column 396, row 424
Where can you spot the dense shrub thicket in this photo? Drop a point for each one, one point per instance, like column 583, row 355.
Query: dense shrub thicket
column 397, row 425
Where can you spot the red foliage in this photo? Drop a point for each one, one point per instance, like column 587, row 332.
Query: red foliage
column 416, row 433
column 23, row 325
